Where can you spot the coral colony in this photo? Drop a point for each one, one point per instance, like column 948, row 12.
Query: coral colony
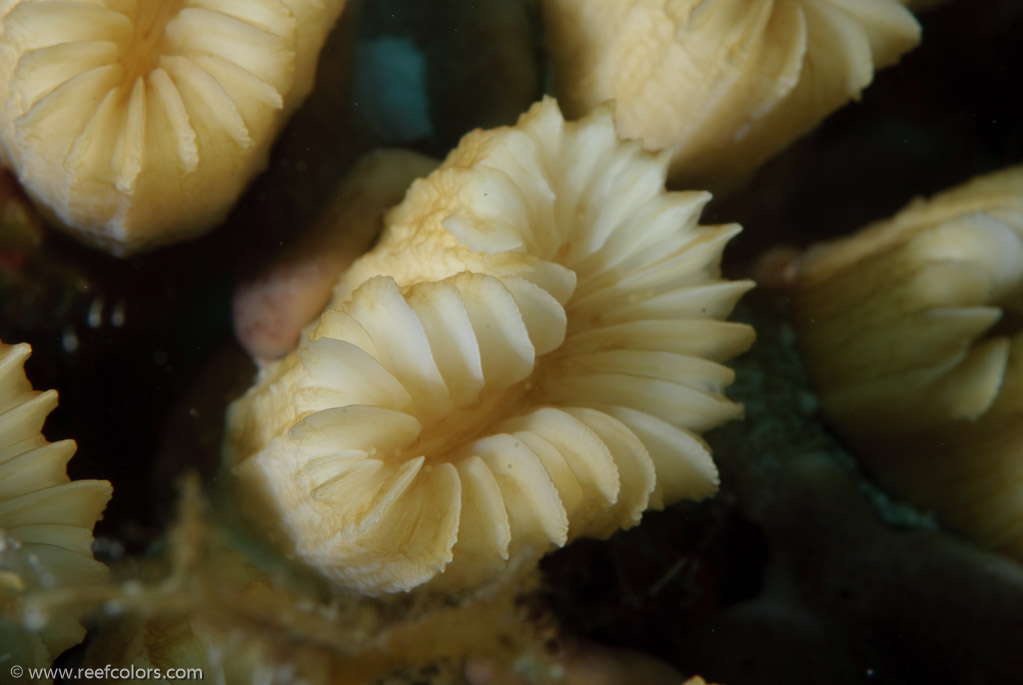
column 459, row 363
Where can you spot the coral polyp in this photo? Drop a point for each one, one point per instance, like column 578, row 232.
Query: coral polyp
column 135, row 123
column 910, row 328
column 724, row 83
column 528, row 356
column 46, row 519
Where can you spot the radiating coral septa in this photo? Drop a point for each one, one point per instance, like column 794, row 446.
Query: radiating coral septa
column 643, row 271
column 545, row 361
column 682, row 461
column 578, row 463
column 22, row 424
column 41, row 71
column 347, row 375
column 42, row 466
column 909, row 329
column 915, row 295
column 892, row 31
column 118, row 111
column 456, row 350
column 372, row 430
column 484, row 530
column 399, row 535
column 633, row 466
column 535, row 512
column 962, row 388
column 714, row 340
column 724, row 84
column 46, row 520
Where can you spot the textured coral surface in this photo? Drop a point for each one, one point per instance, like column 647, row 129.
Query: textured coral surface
column 522, row 359
column 790, row 574
column 139, row 123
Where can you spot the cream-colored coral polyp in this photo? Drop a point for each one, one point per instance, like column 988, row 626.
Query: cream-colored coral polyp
column 136, row 123
column 46, row 519
column 911, row 331
column 724, row 83
column 527, row 356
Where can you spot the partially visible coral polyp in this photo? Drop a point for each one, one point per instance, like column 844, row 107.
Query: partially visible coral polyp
column 138, row 122
column 528, row 356
column 724, row 83
column 46, row 519
column 911, row 331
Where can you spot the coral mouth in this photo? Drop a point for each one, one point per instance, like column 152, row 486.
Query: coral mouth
column 142, row 55
column 450, row 439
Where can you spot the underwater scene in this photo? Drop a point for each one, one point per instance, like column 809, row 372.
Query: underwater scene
column 511, row 342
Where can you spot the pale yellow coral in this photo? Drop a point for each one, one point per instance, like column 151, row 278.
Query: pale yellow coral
column 270, row 311
column 528, row 356
column 46, row 520
column 911, row 331
column 139, row 122
column 725, row 83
